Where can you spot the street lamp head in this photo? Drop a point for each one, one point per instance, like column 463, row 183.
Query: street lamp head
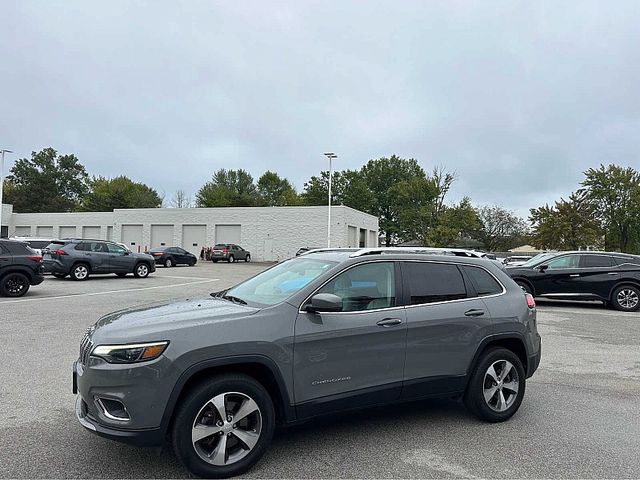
column 5, row 151
column 330, row 155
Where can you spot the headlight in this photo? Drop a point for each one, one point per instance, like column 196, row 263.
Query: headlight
column 137, row 352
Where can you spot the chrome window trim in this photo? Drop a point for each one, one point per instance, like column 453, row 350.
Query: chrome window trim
column 105, row 412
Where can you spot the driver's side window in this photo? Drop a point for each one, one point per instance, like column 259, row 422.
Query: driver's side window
column 566, row 261
column 366, row 287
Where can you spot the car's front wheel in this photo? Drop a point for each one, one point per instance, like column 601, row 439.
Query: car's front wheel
column 247, row 258
column 626, row 298
column 496, row 388
column 14, row 285
column 223, row 426
column 141, row 270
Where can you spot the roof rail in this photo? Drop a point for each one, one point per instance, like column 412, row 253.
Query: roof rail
column 334, row 249
column 459, row 252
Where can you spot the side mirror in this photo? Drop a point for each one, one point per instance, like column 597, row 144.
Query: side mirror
column 125, row 253
column 543, row 268
column 324, row 302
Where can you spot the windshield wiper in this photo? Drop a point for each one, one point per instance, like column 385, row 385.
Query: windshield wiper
column 233, row 299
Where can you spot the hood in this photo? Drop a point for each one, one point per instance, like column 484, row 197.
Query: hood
column 133, row 324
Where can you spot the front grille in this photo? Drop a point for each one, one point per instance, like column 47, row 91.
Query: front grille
column 85, row 348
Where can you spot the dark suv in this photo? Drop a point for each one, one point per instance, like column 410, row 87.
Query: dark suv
column 20, row 267
column 316, row 334
column 229, row 252
column 613, row 278
column 80, row 258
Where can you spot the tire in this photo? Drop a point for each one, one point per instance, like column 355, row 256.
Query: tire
column 168, row 263
column 121, row 275
column 192, row 263
column 626, row 298
column 231, row 259
column 80, row 272
column 14, row 284
column 196, row 408
column 482, row 383
column 525, row 285
column 59, row 275
column 141, row 270
column 247, row 258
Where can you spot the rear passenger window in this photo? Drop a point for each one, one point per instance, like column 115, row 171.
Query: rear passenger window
column 433, row 282
column 483, row 281
column 597, row 261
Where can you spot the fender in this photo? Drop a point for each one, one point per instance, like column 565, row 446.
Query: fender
column 620, row 283
column 18, row 269
column 492, row 338
column 288, row 410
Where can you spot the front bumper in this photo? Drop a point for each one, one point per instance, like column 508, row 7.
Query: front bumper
column 142, row 438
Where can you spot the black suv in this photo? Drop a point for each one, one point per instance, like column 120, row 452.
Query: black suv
column 613, row 278
column 20, row 267
column 80, row 258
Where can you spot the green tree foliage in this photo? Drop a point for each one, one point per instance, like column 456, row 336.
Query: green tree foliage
column 414, row 204
column 500, row 229
column 348, row 187
column 119, row 192
column 614, row 191
column 568, row 225
column 275, row 191
column 228, row 188
column 380, row 176
column 47, row 182
column 455, row 225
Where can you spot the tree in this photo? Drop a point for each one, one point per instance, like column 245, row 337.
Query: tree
column 119, row 192
column 48, row 182
column 181, row 200
column 501, row 229
column 380, row 175
column 456, row 225
column 568, row 225
column 276, row 191
column 228, row 188
column 414, row 202
column 348, row 188
column 614, row 192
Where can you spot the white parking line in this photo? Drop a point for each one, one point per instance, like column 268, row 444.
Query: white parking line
column 73, row 295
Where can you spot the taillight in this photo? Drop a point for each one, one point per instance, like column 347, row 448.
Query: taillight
column 59, row 252
column 531, row 303
column 225, row 250
column 157, row 254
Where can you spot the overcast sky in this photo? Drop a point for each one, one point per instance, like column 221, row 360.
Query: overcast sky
column 517, row 98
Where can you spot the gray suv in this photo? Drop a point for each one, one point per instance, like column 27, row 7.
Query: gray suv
column 81, row 257
column 323, row 332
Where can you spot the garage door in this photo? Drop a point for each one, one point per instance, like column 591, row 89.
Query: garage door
column 132, row 237
column 194, row 237
column 90, row 232
column 109, row 232
column 373, row 239
column 352, row 236
column 22, row 232
column 228, row 234
column 161, row 236
column 67, row 232
column 44, row 232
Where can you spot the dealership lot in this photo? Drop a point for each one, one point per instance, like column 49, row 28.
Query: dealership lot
column 579, row 417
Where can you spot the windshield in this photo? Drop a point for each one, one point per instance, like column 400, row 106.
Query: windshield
column 280, row 282
column 537, row 259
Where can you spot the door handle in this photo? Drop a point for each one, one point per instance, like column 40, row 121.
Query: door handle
column 389, row 322
column 612, row 273
column 574, row 275
column 474, row 312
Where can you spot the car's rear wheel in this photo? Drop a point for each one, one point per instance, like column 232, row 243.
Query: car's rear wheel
column 80, row 271
column 496, row 388
column 525, row 286
column 168, row 263
column 141, row 270
column 247, row 258
column 626, row 298
column 231, row 259
column 14, row 284
column 59, row 275
column 223, row 426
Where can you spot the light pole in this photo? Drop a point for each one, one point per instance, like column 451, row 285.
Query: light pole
column 330, row 156
column 1, row 185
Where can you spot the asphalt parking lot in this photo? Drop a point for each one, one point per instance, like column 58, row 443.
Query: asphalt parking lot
column 579, row 419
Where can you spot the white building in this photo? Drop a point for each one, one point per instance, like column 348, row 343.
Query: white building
column 269, row 233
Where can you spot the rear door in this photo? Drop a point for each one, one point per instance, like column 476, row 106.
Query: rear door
column 598, row 274
column 355, row 356
column 96, row 254
column 446, row 321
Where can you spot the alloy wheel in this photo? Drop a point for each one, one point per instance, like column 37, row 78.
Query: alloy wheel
column 81, row 272
column 501, row 385
column 15, row 285
column 142, row 270
column 628, row 298
column 227, row 428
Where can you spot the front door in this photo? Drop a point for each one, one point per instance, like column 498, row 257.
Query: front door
column 561, row 277
column 353, row 357
column 120, row 259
